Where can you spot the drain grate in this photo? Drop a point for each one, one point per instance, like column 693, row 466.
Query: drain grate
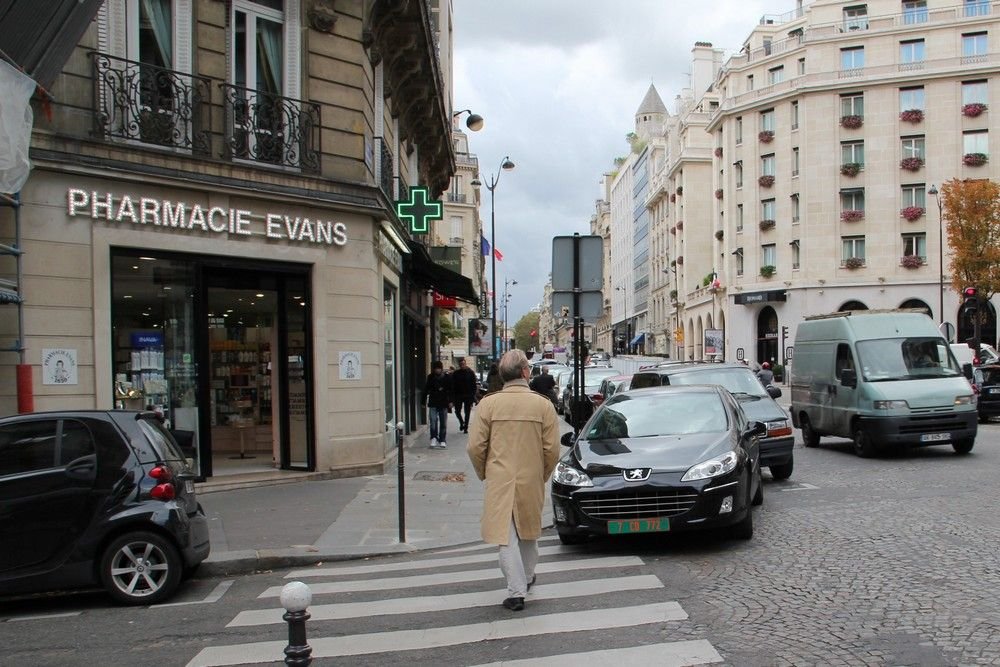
column 439, row 476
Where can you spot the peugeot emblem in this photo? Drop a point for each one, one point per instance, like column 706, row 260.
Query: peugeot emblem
column 636, row 474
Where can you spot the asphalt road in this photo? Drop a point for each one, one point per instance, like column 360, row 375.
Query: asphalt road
column 886, row 561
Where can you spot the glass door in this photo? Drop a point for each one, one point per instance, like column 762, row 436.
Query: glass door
column 295, row 395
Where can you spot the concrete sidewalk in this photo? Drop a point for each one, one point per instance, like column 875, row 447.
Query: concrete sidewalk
column 315, row 521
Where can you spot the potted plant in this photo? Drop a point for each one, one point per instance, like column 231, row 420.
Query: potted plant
column 680, row 260
column 673, row 295
column 673, row 230
column 719, row 234
column 854, row 262
column 911, row 261
column 911, row 115
column 680, row 225
column 673, row 197
column 974, row 109
column 975, row 159
column 765, row 136
column 779, row 372
column 718, row 151
column 912, row 213
column 766, row 225
column 765, row 181
column 852, row 215
column 911, row 163
column 680, row 190
column 850, row 168
column 718, row 193
column 852, row 122
column 767, row 270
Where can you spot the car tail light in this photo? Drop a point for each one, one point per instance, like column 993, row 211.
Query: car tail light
column 161, row 473
column 780, row 430
column 163, row 492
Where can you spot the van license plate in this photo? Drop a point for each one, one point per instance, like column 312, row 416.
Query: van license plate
column 935, row 437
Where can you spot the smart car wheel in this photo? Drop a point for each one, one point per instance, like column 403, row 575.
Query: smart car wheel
column 963, row 446
column 809, row 437
column 140, row 568
column 863, row 445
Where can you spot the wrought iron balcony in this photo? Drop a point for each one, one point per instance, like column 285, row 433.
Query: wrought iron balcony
column 264, row 127
column 383, row 173
column 135, row 101
column 402, row 190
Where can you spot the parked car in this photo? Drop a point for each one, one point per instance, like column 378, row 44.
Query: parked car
column 97, row 497
column 658, row 460
column 612, row 385
column 757, row 401
column 592, row 378
column 987, row 383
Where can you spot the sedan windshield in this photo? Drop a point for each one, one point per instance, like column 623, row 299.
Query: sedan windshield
column 906, row 359
column 740, row 381
column 646, row 415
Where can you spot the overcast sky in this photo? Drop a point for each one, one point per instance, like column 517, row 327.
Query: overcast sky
column 559, row 82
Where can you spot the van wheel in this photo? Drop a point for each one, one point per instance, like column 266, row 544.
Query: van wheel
column 140, row 568
column 783, row 471
column 809, row 437
column 863, row 445
column 963, row 446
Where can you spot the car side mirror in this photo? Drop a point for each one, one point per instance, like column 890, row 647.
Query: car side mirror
column 757, row 428
column 849, row 377
column 567, row 439
column 773, row 392
column 967, row 371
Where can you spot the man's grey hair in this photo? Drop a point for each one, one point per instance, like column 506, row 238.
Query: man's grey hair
column 512, row 365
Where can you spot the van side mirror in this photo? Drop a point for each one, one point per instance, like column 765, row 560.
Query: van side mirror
column 967, row 371
column 567, row 439
column 849, row 377
column 772, row 391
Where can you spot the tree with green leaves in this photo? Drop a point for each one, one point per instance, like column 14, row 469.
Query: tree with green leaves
column 447, row 332
column 523, row 329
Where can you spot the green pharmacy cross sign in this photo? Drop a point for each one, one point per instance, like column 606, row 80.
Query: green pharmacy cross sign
column 419, row 211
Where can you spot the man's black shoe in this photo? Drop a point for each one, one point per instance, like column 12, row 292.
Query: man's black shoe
column 532, row 582
column 514, row 604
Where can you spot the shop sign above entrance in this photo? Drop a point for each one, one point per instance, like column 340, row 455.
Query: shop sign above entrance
column 419, row 211
column 186, row 217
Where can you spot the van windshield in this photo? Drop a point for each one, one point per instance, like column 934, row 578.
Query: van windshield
column 906, row 359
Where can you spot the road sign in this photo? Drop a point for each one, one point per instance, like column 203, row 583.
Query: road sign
column 591, row 305
column 591, row 263
column 947, row 330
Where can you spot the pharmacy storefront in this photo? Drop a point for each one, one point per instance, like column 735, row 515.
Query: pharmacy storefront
column 250, row 324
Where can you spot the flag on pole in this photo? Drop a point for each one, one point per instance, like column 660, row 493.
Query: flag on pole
column 498, row 254
column 484, row 245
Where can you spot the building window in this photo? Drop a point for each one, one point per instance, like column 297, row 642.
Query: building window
column 768, row 256
column 456, row 228
column 796, row 253
column 767, row 165
column 915, row 244
column 974, row 92
column 852, row 58
column 852, row 105
column 802, row 66
column 767, row 120
column 976, row 142
column 974, row 47
column 739, row 174
column 767, row 209
column 795, row 161
column 739, row 217
column 852, row 200
column 775, row 75
column 851, row 247
column 749, row 82
column 913, row 195
column 739, row 130
column 911, row 52
column 852, row 152
column 795, row 207
column 911, row 98
column 912, row 147
column 977, row 8
column 738, row 254
column 856, row 18
column 914, row 11
column 795, row 115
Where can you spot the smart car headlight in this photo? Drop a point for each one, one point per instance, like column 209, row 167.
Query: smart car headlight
column 720, row 465
column 570, row 476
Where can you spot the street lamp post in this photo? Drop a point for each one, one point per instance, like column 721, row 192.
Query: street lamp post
column 506, row 299
column 934, row 193
column 505, row 165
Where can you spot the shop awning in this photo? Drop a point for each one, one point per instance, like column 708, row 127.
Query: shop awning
column 40, row 42
column 638, row 339
column 422, row 270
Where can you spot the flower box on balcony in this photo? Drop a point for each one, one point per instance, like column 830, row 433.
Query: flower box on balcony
column 767, row 270
column 719, row 234
column 765, row 136
column 912, row 213
column 718, row 151
column 850, row 168
column 766, row 225
column 974, row 109
column 852, row 216
column 765, row 181
column 911, row 163
column 680, row 260
column 911, row 261
column 718, row 193
column 854, row 262
column 911, row 115
column 975, row 159
column 852, row 122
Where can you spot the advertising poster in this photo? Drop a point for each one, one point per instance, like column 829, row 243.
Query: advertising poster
column 715, row 343
column 480, row 336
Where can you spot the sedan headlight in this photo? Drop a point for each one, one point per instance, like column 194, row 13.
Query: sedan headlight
column 720, row 465
column 890, row 405
column 965, row 400
column 570, row 476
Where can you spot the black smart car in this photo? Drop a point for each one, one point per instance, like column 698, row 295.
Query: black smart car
column 658, row 460
column 96, row 497
column 987, row 380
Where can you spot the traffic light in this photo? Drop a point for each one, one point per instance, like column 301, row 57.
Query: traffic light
column 784, row 331
column 970, row 299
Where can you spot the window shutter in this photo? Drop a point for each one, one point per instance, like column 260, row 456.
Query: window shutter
column 293, row 50
column 182, row 36
column 112, row 28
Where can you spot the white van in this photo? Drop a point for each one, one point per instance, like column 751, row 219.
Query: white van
column 880, row 378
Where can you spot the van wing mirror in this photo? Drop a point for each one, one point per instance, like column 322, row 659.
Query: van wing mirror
column 567, row 439
column 849, row 377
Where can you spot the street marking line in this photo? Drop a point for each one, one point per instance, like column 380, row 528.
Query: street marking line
column 483, row 545
column 416, row 581
column 412, row 565
column 433, row 603
column 214, row 596
column 667, row 654
column 453, row 635
column 802, row 486
column 42, row 617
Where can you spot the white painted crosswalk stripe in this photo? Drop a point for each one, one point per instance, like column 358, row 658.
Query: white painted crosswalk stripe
column 483, row 546
column 667, row 654
column 448, row 578
column 413, row 565
column 410, row 640
column 434, row 603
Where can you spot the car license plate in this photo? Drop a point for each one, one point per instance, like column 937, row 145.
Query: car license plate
column 935, row 437
column 629, row 526
column 188, row 486
column 993, row 390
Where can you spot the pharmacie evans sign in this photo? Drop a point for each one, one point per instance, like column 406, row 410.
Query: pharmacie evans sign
column 184, row 216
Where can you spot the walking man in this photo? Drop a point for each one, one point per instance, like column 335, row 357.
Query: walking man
column 514, row 446
column 437, row 392
column 464, row 384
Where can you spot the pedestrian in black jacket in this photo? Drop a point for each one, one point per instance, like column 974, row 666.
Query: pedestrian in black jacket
column 464, row 385
column 437, row 392
column 544, row 384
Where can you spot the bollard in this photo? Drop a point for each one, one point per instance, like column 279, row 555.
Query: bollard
column 295, row 598
column 401, row 499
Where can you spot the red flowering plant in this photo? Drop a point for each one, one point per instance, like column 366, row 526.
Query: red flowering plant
column 680, row 225
column 911, row 115
column 852, row 122
column 852, row 215
column 974, row 109
column 911, row 261
column 680, row 260
column 854, row 262
column 912, row 213
column 765, row 136
column 911, row 163
column 975, row 159
column 765, row 181
column 718, row 151
column 850, row 168
column 718, row 193
column 673, row 197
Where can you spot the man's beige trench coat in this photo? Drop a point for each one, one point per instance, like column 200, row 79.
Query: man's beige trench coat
column 514, row 446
